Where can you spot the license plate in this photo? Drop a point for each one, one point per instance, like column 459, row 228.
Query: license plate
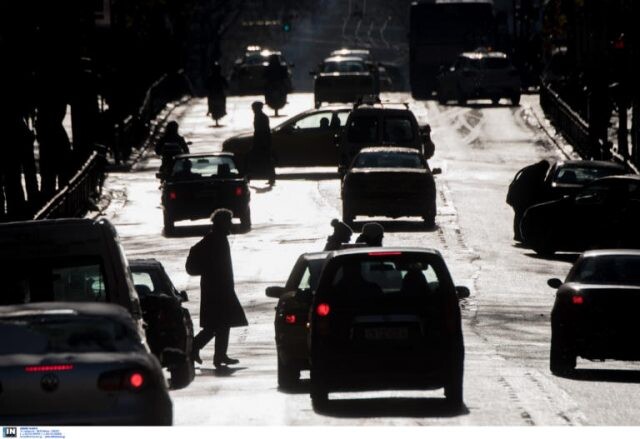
column 386, row 333
column 207, row 194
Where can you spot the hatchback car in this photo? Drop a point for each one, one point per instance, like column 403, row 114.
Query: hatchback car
column 479, row 75
column 342, row 79
column 386, row 319
column 201, row 183
column 595, row 312
column 389, row 181
column 78, row 364
column 169, row 326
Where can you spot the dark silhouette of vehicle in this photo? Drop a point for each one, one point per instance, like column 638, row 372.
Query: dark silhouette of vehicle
column 78, row 364
column 248, row 74
column 385, row 319
column 439, row 31
column 307, row 139
column 342, row 79
column 169, row 327
column 479, row 75
column 201, row 183
column 595, row 312
column 292, row 316
column 364, row 54
column 603, row 214
column 389, row 181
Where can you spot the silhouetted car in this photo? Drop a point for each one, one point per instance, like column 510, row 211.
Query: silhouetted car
column 292, row 315
column 479, row 75
column 603, row 214
column 169, row 326
column 342, row 79
column 78, row 364
column 201, row 183
column 595, row 312
column 385, row 319
column 248, row 74
column 389, row 181
column 303, row 140
column 364, row 54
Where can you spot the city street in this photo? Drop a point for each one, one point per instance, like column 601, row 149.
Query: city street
column 505, row 321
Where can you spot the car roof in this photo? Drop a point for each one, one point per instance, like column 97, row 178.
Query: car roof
column 343, row 58
column 611, row 252
column 618, row 178
column 205, row 154
column 389, row 149
column 348, row 50
column 68, row 308
column 481, row 54
column 144, row 263
column 382, row 250
column 590, row 164
column 377, row 108
column 315, row 255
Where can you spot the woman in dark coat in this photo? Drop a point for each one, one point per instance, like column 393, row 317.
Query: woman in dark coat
column 220, row 308
column 216, row 99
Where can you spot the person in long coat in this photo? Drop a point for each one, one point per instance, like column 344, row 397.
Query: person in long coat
column 261, row 151
column 216, row 99
column 220, row 308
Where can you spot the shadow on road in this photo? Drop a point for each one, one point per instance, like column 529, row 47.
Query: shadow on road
column 606, row 375
column 301, row 388
column 396, row 226
column 392, row 407
column 560, row 257
column 314, row 176
column 222, row 372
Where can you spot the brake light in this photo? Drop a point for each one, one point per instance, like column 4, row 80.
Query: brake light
column 323, row 310
column 385, row 253
column 577, row 300
column 173, row 195
column 49, row 368
column 121, row 380
column 136, row 380
column 239, row 191
column 290, row 319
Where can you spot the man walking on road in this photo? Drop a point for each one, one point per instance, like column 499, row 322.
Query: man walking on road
column 220, row 308
column 261, row 151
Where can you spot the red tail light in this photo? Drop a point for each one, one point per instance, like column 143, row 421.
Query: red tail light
column 323, row 310
column 239, row 191
column 173, row 195
column 385, row 253
column 136, row 380
column 49, row 368
column 121, row 380
column 290, row 319
column 577, row 300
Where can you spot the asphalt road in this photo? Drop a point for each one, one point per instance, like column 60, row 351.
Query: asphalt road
column 506, row 320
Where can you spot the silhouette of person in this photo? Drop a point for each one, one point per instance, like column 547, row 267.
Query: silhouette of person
column 341, row 235
column 216, row 99
column 429, row 146
column 372, row 234
column 335, row 121
column 353, row 283
column 172, row 143
column 324, row 123
column 261, row 150
column 220, row 308
column 526, row 189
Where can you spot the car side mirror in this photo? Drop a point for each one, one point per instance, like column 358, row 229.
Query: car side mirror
column 183, row 296
column 463, row 292
column 143, row 290
column 554, row 283
column 436, row 171
column 274, row 292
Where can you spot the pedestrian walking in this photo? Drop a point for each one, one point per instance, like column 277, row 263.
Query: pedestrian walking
column 261, row 152
column 341, row 235
column 372, row 234
column 216, row 99
column 526, row 189
column 220, row 309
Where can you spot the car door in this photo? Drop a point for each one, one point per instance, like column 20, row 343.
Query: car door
column 307, row 141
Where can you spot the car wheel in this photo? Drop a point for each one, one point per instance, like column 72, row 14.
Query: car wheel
column 515, row 99
column 441, row 96
column 495, row 100
column 182, row 375
column 429, row 221
column 319, row 393
column 453, row 392
column 288, row 377
column 169, row 227
column 245, row 220
column 462, row 98
column 562, row 361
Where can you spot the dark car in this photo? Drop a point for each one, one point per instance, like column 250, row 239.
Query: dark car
column 306, row 139
column 595, row 313
column 292, row 314
column 248, row 74
column 78, row 364
column 201, row 183
column 385, row 319
column 342, row 79
column 480, row 74
column 389, row 181
column 169, row 326
column 604, row 214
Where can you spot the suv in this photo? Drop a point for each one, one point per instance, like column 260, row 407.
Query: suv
column 372, row 123
column 479, row 75
column 342, row 79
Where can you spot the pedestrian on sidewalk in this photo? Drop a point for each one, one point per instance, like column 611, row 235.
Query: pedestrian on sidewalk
column 216, row 98
column 261, row 152
column 341, row 235
column 220, row 309
column 372, row 235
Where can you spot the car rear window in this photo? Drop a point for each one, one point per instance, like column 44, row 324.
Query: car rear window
column 582, row 175
column 70, row 334
column 363, row 129
column 608, row 270
column 388, row 160
column 204, row 167
column 496, row 63
column 397, row 130
column 343, row 67
column 77, row 279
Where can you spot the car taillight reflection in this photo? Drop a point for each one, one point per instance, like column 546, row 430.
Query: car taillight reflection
column 577, row 300
column 239, row 191
column 290, row 319
column 323, row 310
column 173, row 195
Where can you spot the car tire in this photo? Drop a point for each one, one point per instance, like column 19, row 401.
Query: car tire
column 318, row 392
column 562, row 361
column 429, row 221
column 453, row 392
column 288, row 377
column 461, row 97
column 442, row 99
column 245, row 220
column 169, row 226
column 515, row 99
column 183, row 375
column 495, row 100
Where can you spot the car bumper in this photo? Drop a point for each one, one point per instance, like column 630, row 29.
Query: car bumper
column 204, row 208
column 389, row 206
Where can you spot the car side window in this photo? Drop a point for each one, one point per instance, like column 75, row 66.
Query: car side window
column 314, row 121
column 363, row 129
column 305, row 282
column 143, row 278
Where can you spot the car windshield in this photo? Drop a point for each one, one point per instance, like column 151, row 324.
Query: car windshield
column 204, row 167
column 386, row 274
column 78, row 279
column 39, row 335
column 343, row 66
column 607, row 270
column 388, row 160
column 582, row 175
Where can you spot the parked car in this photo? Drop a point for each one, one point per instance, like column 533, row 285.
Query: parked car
column 78, row 364
column 292, row 316
column 604, row 214
column 342, row 79
column 386, row 319
column 372, row 123
column 65, row 260
column 595, row 312
column 480, row 74
column 201, row 183
column 248, row 74
column 389, row 181
column 307, row 139
column 169, row 326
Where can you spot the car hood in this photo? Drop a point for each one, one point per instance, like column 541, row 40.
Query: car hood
column 244, row 135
